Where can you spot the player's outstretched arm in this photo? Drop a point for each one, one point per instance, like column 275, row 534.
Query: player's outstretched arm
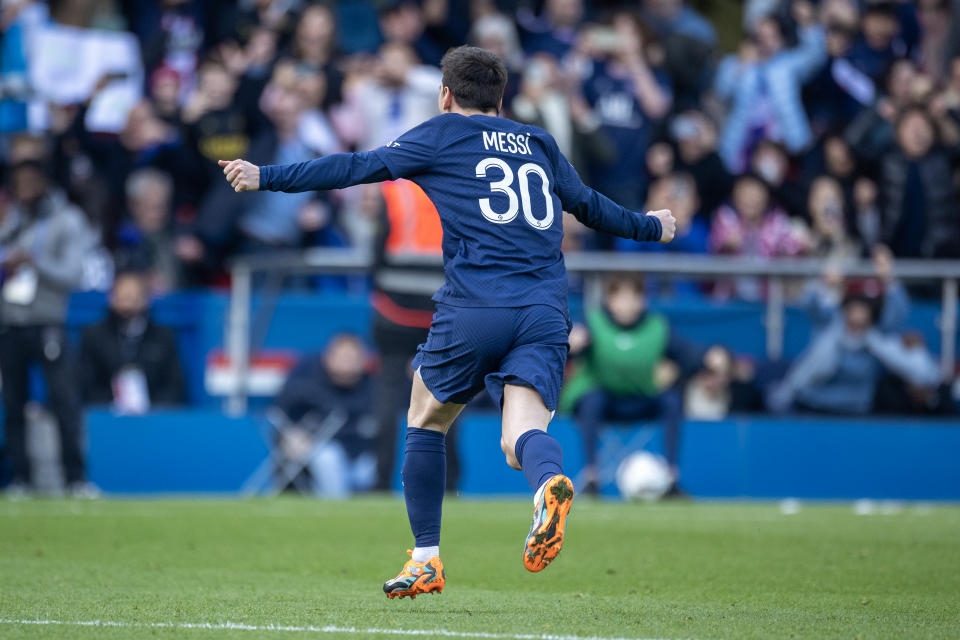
column 336, row 171
column 405, row 157
column 603, row 214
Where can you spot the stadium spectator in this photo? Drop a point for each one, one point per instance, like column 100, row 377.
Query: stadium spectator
column 171, row 32
column 762, row 86
column 146, row 241
column 688, row 43
column 269, row 222
column 872, row 131
column 718, row 388
column 858, row 340
column 825, row 210
column 881, row 42
column 496, row 32
column 164, row 95
column 695, row 136
column 315, row 45
column 837, row 161
column 405, row 23
column 398, row 95
column 627, row 364
column 913, row 395
column 921, row 210
column 326, row 419
column 951, row 90
column 751, row 225
column 544, row 101
column 127, row 360
column 629, row 95
column 43, row 243
column 842, row 87
column 771, row 164
column 555, row 30
column 940, row 36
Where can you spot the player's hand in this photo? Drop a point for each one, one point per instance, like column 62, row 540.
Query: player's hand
column 667, row 222
column 242, row 175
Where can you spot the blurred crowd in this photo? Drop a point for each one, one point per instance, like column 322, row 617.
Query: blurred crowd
column 831, row 130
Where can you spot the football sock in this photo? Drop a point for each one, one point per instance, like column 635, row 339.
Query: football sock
column 540, row 457
column 424, row 476
column 422, row 554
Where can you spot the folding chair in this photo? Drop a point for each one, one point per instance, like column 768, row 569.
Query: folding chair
column 278, row 471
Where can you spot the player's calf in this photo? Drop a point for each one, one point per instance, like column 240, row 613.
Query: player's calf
column 509, row 453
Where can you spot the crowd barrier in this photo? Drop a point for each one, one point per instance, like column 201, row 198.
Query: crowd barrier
column 591, row 266
column 204, row 451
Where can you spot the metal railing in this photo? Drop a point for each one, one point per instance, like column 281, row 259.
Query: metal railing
column 592, row 265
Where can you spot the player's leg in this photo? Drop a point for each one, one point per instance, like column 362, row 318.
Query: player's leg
column 424, row 475
column 424, row 470
column 523, row 436
column 528, row 387
column 528, row 447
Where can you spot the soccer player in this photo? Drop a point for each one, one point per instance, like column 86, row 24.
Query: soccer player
column 502, row 322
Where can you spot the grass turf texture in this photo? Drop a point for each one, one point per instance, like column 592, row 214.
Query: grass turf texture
column 706, row 571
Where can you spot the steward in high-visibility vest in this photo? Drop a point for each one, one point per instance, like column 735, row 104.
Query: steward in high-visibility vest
column 407, row 271
column 410, row 230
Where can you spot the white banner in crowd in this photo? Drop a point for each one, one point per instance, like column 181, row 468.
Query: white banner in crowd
column 66, row 63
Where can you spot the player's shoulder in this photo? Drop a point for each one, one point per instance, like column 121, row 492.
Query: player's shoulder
column 477, row 122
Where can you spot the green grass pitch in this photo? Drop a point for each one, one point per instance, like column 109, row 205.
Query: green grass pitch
column 151, row 569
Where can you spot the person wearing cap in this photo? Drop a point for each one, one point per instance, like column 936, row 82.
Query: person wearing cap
column 43, row 242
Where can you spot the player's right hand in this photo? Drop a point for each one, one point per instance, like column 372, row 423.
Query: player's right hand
column 668, row 224
column 242, row 175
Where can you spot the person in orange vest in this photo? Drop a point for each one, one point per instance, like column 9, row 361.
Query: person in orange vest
column 406, row 273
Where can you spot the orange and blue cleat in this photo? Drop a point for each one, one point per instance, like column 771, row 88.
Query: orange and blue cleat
column 416, row 578
column 550, row 508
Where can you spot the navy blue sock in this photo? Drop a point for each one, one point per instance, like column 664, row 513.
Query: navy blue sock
column 540, row 457
column 424, row 477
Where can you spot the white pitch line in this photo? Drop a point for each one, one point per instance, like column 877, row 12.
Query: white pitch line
column 237, row 626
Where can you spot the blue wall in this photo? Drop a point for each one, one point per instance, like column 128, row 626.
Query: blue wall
column 199, row 451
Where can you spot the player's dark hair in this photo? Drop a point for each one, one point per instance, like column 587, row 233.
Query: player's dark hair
column 476, row 77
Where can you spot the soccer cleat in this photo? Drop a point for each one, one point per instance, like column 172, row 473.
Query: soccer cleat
column 550, row 508
column 416, row 578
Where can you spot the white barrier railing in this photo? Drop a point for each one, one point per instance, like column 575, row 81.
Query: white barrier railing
column 592, row 265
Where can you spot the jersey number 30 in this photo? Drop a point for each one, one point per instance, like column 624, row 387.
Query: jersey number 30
column 514, row 204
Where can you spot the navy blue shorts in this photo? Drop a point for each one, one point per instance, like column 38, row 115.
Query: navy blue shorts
column 472, row 347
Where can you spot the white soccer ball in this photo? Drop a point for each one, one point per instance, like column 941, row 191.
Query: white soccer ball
column 643, row 476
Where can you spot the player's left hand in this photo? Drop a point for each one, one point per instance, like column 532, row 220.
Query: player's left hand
column 668, row 224
column 242, row 175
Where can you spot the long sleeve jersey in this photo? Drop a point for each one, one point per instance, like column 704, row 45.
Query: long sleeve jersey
column 500, row 188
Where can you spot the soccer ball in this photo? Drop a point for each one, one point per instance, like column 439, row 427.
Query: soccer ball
column 643, row 476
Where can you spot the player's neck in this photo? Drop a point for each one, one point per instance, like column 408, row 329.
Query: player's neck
column 472, row 112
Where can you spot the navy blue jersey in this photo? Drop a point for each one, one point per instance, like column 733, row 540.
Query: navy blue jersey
column 500, row 188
